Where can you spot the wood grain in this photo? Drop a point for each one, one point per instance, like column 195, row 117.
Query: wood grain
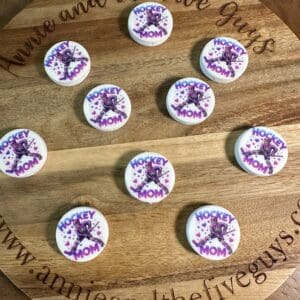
column 147, row 249
column 288, row 11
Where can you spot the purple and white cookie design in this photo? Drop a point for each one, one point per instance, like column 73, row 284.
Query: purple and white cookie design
column 190, row 101
column 67, row 63
column 213, row 232
column 107, row 107
column 223, row 59
column 150, row 24
column 23, row 153
column 149, row 177
column 82, row 234
column 261, row 151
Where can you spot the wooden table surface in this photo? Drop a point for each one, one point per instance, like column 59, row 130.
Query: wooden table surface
column 289, row 12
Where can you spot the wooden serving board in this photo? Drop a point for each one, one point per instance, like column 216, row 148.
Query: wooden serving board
column 147, row 257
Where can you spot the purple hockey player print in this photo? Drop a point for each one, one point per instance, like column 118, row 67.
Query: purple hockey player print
column 213, row 232
column 82, row 234
column 150, row 24
column 261, row 151
column 190, row 101
column 107, row 107
column 149, row 177
column 67, row 63
column 223, row 60
column 22, row 153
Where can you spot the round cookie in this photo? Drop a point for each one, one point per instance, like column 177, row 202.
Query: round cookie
column 223, row 60
column 149, row 177
column 261, row 151
column 23, row 153
column 150, row 24
column 190, row 101
column 82, row 234
column 107, row 107
column 213, row 232
column 67, row 63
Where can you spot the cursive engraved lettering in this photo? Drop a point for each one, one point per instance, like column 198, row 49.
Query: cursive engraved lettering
column 200, row 4
column 255, row 274
column 21, row 54
column 80, row 8
column 228, row 11
column 12, row 243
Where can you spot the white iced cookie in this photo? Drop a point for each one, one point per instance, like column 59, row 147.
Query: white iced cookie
column 150, row 24
column 190, row 101
column 23, row 153
column 261, row 151
column 67, row 63
column 107, row 107
column 213, row 232
column 82, row 234
column 223, row 59
column 149, row 177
